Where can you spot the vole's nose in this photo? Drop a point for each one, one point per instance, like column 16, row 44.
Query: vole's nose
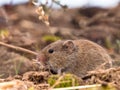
column 41, row 58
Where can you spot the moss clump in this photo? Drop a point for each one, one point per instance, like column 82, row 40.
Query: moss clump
column 50, row 38
column 109, row 86
column 66, row 80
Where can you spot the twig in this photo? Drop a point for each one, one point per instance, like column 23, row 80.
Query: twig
column 18, row 48
column 78, row 87
column 58, row 81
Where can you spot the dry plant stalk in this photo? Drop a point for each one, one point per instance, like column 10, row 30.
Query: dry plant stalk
column 78, row 87
column 58, row 81
column 18, row 48
column 13, row 85
column 42, row 15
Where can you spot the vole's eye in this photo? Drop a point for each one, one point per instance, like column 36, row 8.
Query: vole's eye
column 50, row 50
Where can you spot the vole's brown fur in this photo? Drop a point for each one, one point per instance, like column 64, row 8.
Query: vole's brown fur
column 74, row 56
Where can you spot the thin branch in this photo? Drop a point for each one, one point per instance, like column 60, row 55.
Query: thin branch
column 18, row 48
column 58, row 81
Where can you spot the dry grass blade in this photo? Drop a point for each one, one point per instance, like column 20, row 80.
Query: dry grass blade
column 78, row 87
column 18, row 48
column 58, row 81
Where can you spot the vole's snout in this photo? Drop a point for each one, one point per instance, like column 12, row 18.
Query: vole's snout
column 41, row 58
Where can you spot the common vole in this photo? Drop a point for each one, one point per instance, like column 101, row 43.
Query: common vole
column 74, row 56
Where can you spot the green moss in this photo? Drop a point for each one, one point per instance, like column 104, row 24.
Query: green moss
column 31, row 88
column 50, row 38
column 4, row 34
column 67, row 80
column 108, row 87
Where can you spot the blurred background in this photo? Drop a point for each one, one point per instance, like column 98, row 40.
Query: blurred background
column 69, row 3
column 96, row 20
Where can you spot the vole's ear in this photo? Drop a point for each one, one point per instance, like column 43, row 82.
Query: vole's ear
column 69, row 45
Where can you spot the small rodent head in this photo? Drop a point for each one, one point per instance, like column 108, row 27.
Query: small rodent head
column 58, row 54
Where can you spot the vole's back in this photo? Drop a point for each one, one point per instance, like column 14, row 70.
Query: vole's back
column 91, row 56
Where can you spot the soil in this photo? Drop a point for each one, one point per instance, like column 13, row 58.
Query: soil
column 20, row 26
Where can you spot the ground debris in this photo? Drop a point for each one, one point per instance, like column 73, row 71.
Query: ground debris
column 36, row 77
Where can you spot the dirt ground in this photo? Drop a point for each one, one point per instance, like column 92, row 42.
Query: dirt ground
column 20, row 26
